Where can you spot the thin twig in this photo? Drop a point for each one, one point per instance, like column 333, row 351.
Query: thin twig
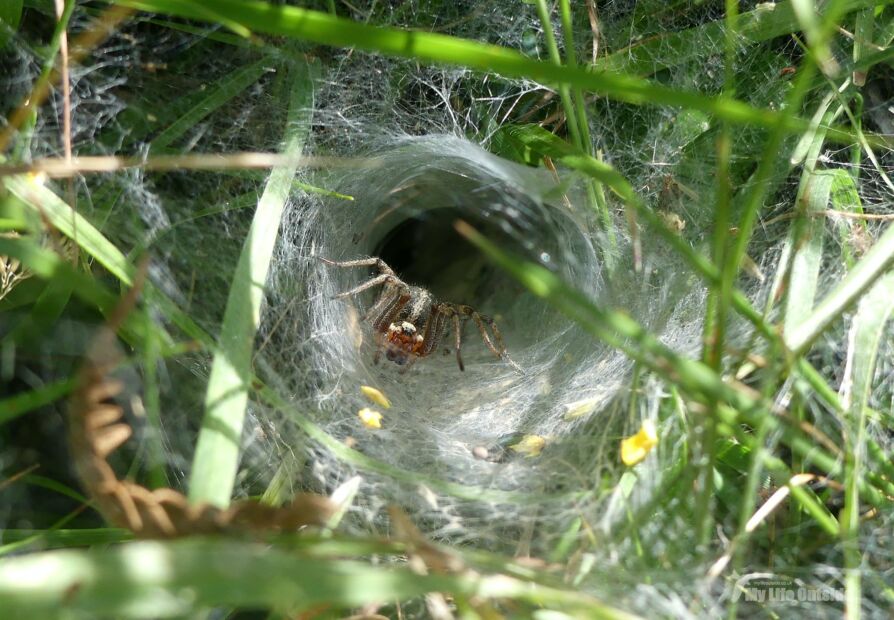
column 18, row 476
column 857, row 216
column 65, row 81
column 883, row 217
column 60, row 167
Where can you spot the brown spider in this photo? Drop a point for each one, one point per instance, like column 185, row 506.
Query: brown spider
column 409, row 323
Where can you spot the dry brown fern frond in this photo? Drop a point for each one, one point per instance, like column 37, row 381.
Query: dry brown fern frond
column 97, row 428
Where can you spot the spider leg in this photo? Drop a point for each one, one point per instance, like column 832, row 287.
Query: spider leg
column 380, row 279
column 381, row 265
column 434, row 329
column 457, row 331
column 387, row 298
column 389, row 312
column 386, row 276
column 480, row 321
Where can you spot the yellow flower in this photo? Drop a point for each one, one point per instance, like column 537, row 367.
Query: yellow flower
column 37, row 178
column 376, row 396
column 370, row 418
column 530, row 445
column 634, row 449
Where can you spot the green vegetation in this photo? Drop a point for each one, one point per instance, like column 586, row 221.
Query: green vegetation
column 730, row 164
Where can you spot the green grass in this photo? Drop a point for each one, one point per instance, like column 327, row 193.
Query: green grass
column 803, row 411
column 217, row 451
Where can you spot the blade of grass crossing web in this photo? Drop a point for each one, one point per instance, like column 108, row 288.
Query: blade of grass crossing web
column 805, row 14
column 806, row 151
column 724, row 293
column 575, row 114
column 616, row 328
column 866, row 331
column 543, row 142
column 753, row 198
column 437, row 48
column 217, row 450
column 152, row 442
column 872, row 266
column 719, row 296
column 663, row 51
column 595, row 191
column 807, row 240
column 864, row 23
column 564, row 90
column 739, row 405
column 181, row 114
column 857, row 149
column 211, row 33
column 220, row 93
column 45, row 203
column 546, row 143
column 571, row 59
column 808, row 141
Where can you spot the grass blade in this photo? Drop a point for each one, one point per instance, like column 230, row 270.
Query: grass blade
column 617, row 329
column 150, row 579
column 223, row 91
column 47, row 205
column 217, row 451
column 564, row 92
column 49, row 266
column 14, row 406
column 663, row 51
column 867, row 328
column 876, row 261
column 807, row 239
column 327, row 29
column 10, row 16
column 701, row 383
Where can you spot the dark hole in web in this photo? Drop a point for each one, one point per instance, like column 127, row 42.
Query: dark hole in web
column 425, row 250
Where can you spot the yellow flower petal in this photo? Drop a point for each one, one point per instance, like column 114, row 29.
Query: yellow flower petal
column 38, row 178
column 370, row 418
column 376, row 396
column 634, row 449
column 530, row 445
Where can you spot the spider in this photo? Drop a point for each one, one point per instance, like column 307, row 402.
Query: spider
column 409, row 323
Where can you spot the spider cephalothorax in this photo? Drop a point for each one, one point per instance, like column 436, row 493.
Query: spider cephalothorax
column 409, row 323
